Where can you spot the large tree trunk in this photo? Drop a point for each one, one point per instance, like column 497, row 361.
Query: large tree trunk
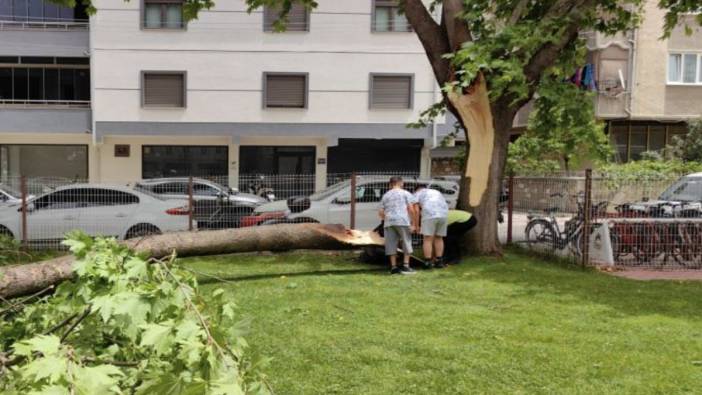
column 26, row 279
column 487, row 132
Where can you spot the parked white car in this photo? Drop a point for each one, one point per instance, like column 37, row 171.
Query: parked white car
column 333, row 205
column 117, row 211
column 177, row 188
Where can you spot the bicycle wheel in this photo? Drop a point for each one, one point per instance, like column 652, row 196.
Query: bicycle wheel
column 647, row 243
column 541, row 231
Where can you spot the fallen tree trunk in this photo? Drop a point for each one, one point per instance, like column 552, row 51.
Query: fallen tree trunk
column 26, row 279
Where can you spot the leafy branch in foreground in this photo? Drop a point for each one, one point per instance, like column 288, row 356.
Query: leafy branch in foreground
column 126, row 325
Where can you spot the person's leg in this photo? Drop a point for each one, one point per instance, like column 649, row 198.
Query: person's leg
column 406, row 239
column 441, row 230
column 427, row 245
column 391, row 240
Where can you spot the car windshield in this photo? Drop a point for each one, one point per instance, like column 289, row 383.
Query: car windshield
column 687, row 189
column 325, row 193
column 10, row 191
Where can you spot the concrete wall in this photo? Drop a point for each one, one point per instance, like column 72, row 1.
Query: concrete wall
column 50, row 42
column 652, row 97
column 225, row 53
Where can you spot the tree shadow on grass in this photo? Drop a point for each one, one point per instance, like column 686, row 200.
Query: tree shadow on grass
column 575, row 285
column 211, row 279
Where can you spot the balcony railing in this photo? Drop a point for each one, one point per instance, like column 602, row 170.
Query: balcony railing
column 65, row 25
column 44, row 103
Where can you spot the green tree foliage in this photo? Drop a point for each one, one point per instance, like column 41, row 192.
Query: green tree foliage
column 689, row 146
column 562, row 132
column 126, row 325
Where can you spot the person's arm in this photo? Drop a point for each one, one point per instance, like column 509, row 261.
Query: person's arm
column 415, row 215
column 381, row 214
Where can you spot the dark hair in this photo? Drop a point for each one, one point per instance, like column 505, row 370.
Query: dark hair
column 420, row 186
column 394, row 180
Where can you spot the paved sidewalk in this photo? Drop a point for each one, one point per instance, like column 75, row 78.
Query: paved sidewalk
column 647, row 275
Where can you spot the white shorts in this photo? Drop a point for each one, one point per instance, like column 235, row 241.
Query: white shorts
column 434, row 227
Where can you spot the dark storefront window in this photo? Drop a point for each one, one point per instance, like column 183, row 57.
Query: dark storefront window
column 377, row 156
column 277, row 160
column 184, row 161
column 62, row 162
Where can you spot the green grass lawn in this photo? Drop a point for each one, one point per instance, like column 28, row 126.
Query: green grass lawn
column 516, row 325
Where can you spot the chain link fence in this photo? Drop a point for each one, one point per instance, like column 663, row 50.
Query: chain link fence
column 584, row 217
column 40, row 211
column 647, row 222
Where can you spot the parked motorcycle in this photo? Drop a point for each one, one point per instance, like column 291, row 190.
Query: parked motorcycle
column 260, row 188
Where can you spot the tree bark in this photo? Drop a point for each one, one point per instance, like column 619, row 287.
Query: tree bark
column 25, row 279
column 487, row 132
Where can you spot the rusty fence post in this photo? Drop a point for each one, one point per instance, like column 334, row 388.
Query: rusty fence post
column 510, row 206
column 190, row 204
column 587, row 217
column 352, row 223
column 23, row 191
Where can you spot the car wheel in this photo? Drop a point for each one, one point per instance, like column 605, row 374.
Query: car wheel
column 4, row 232
column 142, row 230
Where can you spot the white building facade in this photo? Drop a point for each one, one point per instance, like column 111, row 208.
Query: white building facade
column 220, row 96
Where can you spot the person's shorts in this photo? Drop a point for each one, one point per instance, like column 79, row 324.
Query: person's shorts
column 395, row 235
column 434, row 227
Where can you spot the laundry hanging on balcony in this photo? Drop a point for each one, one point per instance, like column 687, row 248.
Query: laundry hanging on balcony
column 584, row 77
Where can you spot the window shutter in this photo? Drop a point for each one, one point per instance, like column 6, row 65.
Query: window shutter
column 391, row 92
column 298, row 18
column 164, row 90
column 286, row 91
column 387, row 3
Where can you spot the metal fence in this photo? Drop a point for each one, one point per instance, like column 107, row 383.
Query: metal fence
column 584, row 217
column 39, row 211
column 652, row 222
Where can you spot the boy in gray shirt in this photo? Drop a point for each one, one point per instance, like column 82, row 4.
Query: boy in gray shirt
column 397, row 210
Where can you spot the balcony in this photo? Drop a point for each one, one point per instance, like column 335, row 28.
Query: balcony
column 41, row 28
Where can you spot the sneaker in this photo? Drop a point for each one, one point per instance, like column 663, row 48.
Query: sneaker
column 439, row 264
column 427, row 265
column 395, row 270
column 407, row 270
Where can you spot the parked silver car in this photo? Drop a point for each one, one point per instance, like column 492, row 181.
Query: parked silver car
column 177, row 188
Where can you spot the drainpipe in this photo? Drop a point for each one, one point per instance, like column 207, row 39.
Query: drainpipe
column 434, row 126
column 632, row 74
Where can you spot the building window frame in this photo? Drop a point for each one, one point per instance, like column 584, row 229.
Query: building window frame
column 44, row 66
column 142, row 79
column 392, row 28
column 371, row 87
column 264, row 92
column 682, row 68
column 86, row 147
column 271, row 29
column 163, row 25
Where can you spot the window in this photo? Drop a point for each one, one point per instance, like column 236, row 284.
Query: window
column 685, row 68
column 391, row 91
column 632, row 139
column 163, row 89
column 371, row 193
column 184, row 161
column 67, row 162
column 205, row 190
column 40, row 11
column 387, row 17
column 298, row 19
column 163, row 14
column 171, row 188
column 44, row 84
column 285, row 90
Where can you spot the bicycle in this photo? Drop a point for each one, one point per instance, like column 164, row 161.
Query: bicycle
column 544, row 229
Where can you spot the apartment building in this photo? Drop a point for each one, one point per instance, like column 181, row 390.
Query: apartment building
column 137, row 92
column 647, row 87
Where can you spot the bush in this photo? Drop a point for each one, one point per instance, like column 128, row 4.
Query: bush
column 124, row 325
column 689, row 146
column 650, row 169
column 10, row 251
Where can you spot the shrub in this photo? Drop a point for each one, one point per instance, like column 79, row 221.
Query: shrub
column 124, row 325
